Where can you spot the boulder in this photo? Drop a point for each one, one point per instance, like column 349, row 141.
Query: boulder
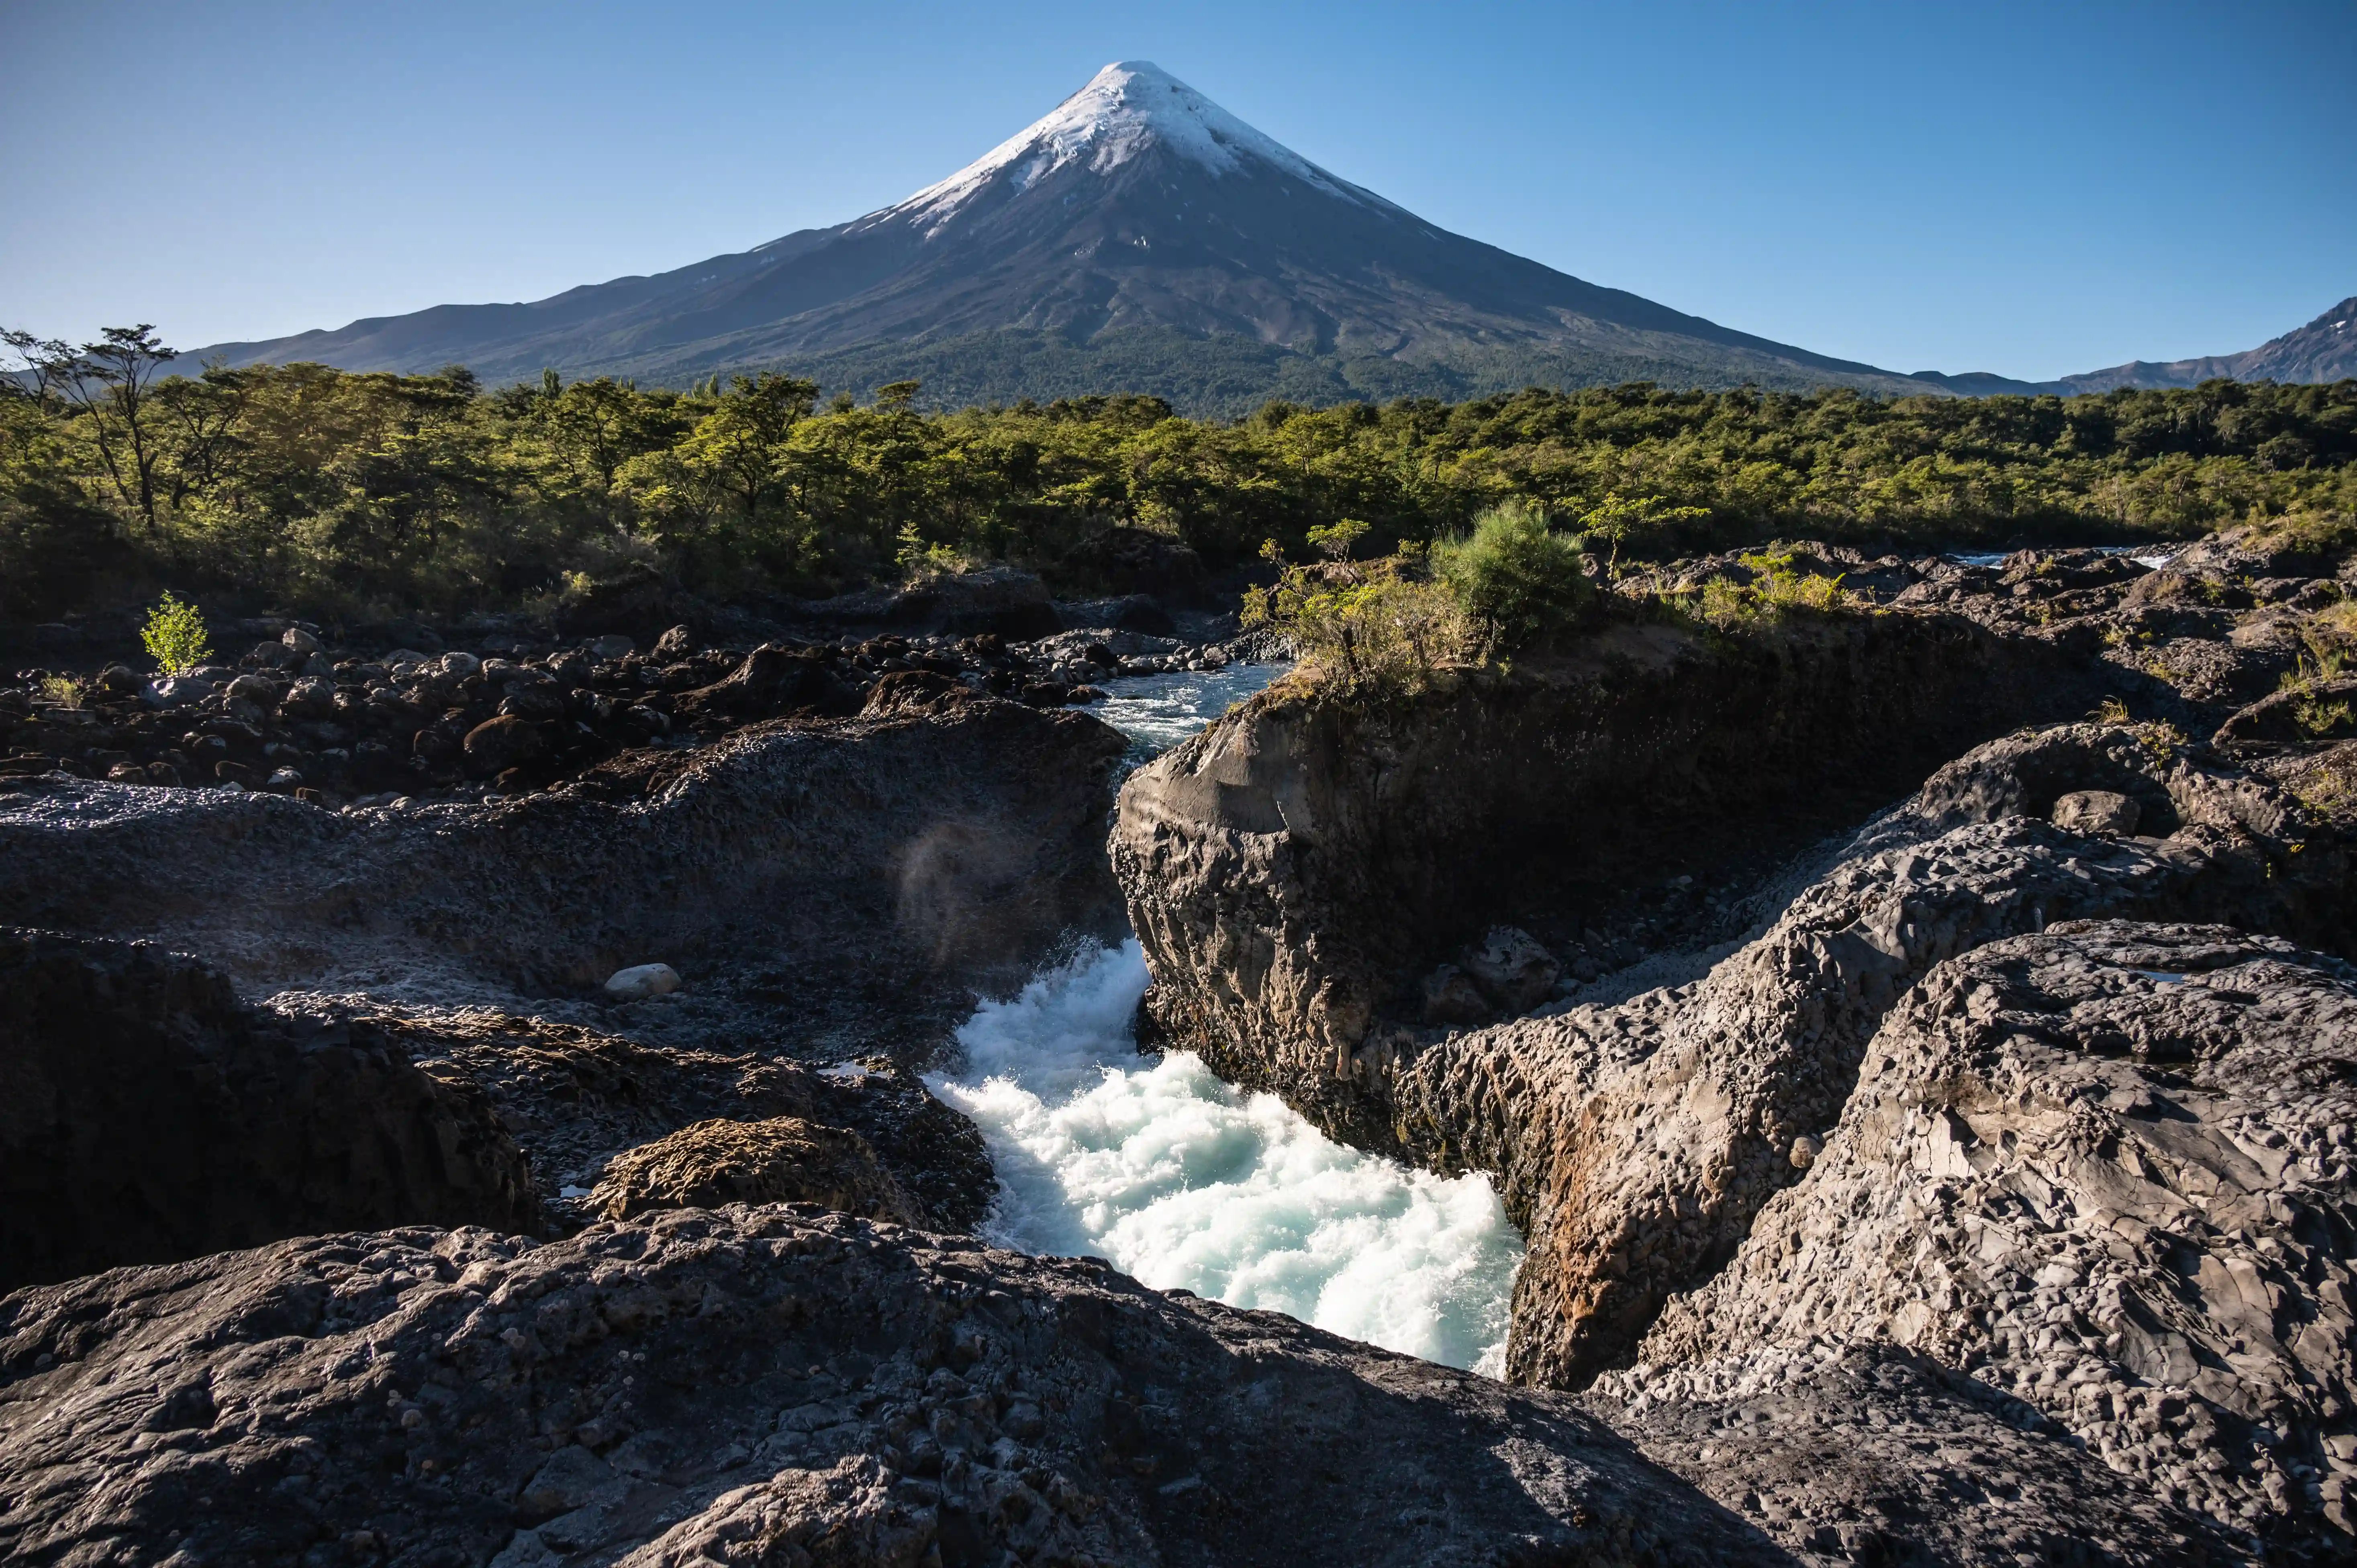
column 640, row 981
column 2102, row 811
column 309, row 699
column 499, row 744
column 300, row 644
column 674, row 645
column 176, row 692
column 782, row 1160
column 610, row 646
column 769, row 680
column 1513, row 970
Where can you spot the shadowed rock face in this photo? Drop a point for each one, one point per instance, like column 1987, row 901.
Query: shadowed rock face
column 2109, row 1169
column 770, row 1386
column 820, row 881
column 147, row 1114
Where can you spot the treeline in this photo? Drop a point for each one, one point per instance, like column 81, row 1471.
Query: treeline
column 317, row 491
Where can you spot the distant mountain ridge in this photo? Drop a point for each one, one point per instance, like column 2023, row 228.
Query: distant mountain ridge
column 1140, row 238
column 2323, row 350
column 1137, row 237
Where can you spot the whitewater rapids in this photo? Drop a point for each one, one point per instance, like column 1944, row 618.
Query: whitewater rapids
column 1187, row 1183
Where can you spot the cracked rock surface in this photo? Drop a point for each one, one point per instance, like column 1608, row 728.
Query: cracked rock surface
column 770, row 1386
column 2108, row 1169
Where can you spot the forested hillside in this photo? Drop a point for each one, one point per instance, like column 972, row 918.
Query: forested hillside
column 313, row 490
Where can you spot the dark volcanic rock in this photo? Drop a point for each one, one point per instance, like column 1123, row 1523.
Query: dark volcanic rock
column 1298, row 869
column 783, row 1160
column 2109, row 1168
column 794, row 874
column 147, row 1115
column 1871, row 1454
column 769, row 1385
column 574, row 1098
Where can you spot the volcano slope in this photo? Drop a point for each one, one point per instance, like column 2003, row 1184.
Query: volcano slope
column 1770, row 1174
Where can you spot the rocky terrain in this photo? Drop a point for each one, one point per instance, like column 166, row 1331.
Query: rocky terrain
column 1963, row 1180
column 2036, row 1081
column 818, row 879
column 337, row 726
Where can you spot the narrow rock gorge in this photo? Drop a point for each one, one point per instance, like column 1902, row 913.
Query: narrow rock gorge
column 1760, row 1173
column 1914, row 1037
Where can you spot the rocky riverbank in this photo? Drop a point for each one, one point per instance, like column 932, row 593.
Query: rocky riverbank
column 1961, row 1180
column 337, row 727
column 1685, row 1047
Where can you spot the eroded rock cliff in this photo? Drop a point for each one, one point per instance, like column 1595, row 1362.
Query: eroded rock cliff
column 816, row 883
column 1294, row 869
column 1299, row 871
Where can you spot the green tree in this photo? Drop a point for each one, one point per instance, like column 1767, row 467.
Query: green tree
column 109, row 381
column 175, row 635
column 1522, row 581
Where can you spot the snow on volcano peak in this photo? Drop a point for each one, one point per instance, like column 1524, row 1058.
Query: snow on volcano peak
column 1127, row 108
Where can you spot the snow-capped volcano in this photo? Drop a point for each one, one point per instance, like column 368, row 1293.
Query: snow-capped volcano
column 1128, row 111
column 1138, row 238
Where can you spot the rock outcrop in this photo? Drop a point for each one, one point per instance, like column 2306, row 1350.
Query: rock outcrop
column 782, row 1160
column 1635, row 1143
column 1294, row 871
column 770, row 1386
column 147, row 1115
column 815, row 883
column 574, row 1099
column 2107, row 1168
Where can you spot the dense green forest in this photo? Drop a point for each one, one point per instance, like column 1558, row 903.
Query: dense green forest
column 313, row 490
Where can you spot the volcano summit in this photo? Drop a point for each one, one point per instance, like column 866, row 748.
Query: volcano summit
column 1140, row 238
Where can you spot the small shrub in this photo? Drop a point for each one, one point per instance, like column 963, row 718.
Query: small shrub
column 1515, row 577
column 1334, row 540
column 1380, row 625
column 2113, row 712
column 1775, row 588
column 63, row 690
column 175, row 637
column 2319, row 717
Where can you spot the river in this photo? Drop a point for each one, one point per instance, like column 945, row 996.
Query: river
column 1178, row 1179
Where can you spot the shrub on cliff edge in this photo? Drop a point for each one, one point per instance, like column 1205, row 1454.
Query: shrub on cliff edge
column 1377, row 623
column 1523, row 582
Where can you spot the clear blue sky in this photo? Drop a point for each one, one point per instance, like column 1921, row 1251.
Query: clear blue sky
column 2028, row 189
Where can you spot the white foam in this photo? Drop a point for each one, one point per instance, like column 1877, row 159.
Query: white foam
column 1188, row 1183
